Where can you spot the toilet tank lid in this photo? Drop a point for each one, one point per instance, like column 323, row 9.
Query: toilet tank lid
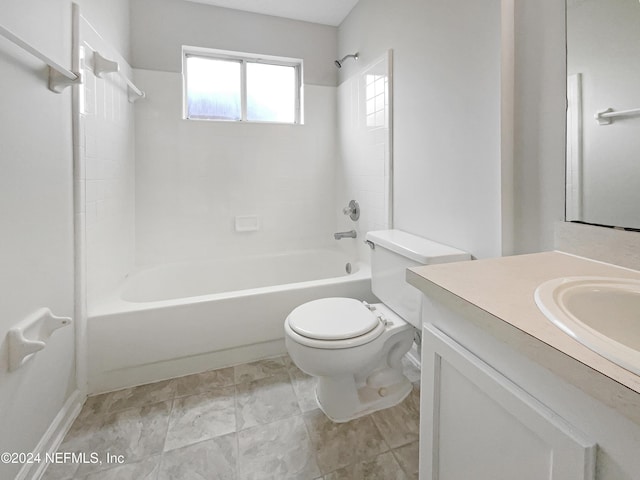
column 416, row 248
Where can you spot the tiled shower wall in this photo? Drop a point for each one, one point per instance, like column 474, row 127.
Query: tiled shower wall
column 194, row 177
column 364, row 173
column 106, row 168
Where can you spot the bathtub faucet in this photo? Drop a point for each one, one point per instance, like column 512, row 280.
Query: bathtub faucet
column 349, row 234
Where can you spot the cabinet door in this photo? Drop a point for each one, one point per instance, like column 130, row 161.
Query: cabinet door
column 477, row 424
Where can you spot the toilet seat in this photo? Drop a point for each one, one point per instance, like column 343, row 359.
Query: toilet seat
column 332, row 319
column 333, row 323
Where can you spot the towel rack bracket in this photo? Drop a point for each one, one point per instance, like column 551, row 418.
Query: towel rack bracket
column 102, row 65
column 605, row 117
column 134, row 94
column 59, row 81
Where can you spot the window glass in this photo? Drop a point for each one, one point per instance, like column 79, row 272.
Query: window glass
column 213, row 88
column 225, row 85
column 271, row 92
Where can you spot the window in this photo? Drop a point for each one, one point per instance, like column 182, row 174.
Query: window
column 220, row 85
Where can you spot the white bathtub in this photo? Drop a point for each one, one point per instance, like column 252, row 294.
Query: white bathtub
column 177, row 319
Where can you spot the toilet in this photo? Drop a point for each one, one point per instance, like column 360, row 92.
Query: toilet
column 353, row 348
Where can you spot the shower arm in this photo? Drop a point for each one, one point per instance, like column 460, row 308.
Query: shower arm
column 353, row 55
column 338, row 63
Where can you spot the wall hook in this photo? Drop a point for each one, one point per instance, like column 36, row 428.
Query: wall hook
column 31, row 334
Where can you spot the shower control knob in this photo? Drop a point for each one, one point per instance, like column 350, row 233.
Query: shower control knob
column 352, row 210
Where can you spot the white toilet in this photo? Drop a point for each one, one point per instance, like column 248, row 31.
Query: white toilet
column 355, row 349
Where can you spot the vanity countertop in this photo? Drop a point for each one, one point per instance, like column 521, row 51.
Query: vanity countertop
column 504, row 288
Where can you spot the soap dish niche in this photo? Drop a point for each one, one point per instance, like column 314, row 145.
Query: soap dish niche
column 31, row 335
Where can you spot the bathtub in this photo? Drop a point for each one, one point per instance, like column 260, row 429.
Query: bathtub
column 176, row 319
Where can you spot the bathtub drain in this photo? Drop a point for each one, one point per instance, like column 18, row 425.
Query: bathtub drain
column 347, row 267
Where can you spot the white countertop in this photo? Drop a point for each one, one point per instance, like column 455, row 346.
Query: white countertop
column 504, row 288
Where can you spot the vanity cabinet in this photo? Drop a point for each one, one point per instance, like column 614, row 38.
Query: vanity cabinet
column 499, row 404
column 477, row 424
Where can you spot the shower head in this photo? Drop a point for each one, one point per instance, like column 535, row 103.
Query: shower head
column 338, row 63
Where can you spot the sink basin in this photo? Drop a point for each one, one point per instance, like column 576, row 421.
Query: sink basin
column 602, row 313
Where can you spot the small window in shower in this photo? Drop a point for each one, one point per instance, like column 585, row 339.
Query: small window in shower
column 213, row 88
column 221, row 85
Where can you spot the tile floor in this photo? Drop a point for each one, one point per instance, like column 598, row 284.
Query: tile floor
column 249, row 422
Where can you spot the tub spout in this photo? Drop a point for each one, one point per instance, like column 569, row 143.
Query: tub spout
column 349, row 234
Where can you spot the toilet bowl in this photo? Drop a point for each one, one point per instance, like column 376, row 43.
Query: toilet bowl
column 355, row 349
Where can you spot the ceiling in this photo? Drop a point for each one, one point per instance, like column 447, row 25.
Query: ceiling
column 326, row 12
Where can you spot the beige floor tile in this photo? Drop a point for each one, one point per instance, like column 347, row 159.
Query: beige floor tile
column 400, row 425
column 254, row 421
column 264, row 401
column 381, row 467
column 82, row 438
column 250, row 372
column 407, row 457
column 201, row 417
column 134, row 433
column 205, row 381
column 214, row 459
column 304, row 387
column 60, row 471
column 94, row 407
column 136, row 397
column 146, row 469
column 280, row 450
column 340, row 444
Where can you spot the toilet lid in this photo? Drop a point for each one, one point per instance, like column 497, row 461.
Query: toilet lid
column 332, row 319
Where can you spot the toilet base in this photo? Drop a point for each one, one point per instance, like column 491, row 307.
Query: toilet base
column 341, row 400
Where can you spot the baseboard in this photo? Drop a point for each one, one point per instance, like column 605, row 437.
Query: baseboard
column 53, row 437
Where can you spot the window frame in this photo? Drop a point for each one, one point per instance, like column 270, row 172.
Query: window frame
column 243, row 59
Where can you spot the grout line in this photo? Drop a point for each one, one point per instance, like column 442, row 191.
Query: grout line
column 375, row 425
column 164, row 444
column 395, row 455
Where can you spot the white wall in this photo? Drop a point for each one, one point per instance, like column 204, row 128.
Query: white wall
column 160, row 28
column 36, row 253
column 111, row 19
column 447, row 97
column 194, row 177
column 36, row 211
column 604, row 46
column 539, row 123
column 446, row 113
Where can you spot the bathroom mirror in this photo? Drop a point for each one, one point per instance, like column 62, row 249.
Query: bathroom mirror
column 603, row 114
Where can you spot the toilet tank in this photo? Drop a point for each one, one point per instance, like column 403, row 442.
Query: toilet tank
column 393, row 251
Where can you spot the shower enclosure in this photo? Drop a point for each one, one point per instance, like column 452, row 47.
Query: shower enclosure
column 196, row 238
